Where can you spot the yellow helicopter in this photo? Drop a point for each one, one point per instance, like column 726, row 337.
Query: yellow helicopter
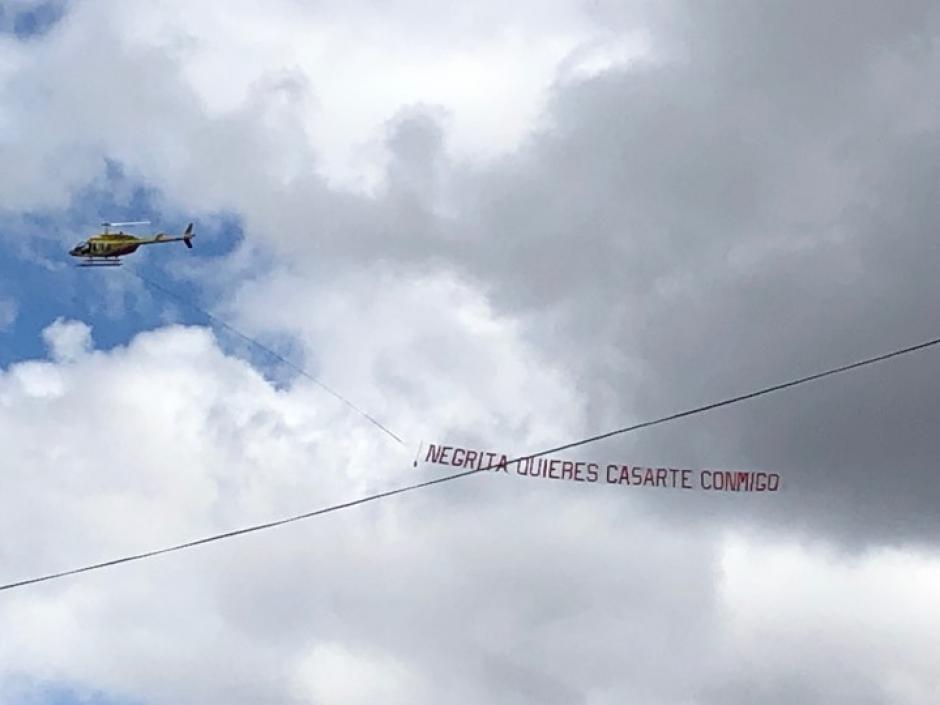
column 105, row 248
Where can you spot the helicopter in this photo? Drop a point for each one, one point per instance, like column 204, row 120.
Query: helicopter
column 105, row 248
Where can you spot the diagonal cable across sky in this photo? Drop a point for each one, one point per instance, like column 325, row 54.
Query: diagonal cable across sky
column 466, row 473
column 218, row 321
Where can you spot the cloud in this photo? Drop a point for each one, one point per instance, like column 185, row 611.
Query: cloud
column 263, row 79
column 168, row 439
column 67, row 340
column 830, row 635
column 672, row 231
column 8, row 312
column 690, row 227
column 471, row 592
column 700, row 225
column 334, row 671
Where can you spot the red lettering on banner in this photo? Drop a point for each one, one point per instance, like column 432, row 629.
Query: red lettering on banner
column 434, row 454
column 615, row 474
column 592, row 472
column 577, row 472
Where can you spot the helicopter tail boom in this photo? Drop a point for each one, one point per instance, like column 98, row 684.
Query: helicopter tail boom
column 186, row 237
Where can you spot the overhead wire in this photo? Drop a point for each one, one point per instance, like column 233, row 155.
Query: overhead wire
column 466, row 473
column 218, row 321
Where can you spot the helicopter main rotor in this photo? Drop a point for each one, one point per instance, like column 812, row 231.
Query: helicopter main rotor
column 129, row 222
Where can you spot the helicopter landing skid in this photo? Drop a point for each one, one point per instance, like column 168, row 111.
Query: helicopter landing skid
column 100, row 263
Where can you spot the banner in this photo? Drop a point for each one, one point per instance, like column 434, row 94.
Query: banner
column 608, row 473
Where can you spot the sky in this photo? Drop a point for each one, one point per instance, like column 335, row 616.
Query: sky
column 498, row 226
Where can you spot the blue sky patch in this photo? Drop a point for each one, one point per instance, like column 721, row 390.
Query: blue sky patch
column 43, row 281
column 29, row 692
column 30, row 20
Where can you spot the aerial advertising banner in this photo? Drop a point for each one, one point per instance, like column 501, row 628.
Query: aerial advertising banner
column 619, row 473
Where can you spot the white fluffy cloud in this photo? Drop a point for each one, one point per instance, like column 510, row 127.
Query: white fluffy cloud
column 67, row 340
column 472, row 591
column 859, row 628
column 8, row 312
column 307, row 87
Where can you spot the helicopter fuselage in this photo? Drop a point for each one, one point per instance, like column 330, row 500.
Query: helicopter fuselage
column 107, row 247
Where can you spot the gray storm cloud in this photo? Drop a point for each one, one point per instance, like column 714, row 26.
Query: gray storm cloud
column 756, row 203
column 753, row 202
